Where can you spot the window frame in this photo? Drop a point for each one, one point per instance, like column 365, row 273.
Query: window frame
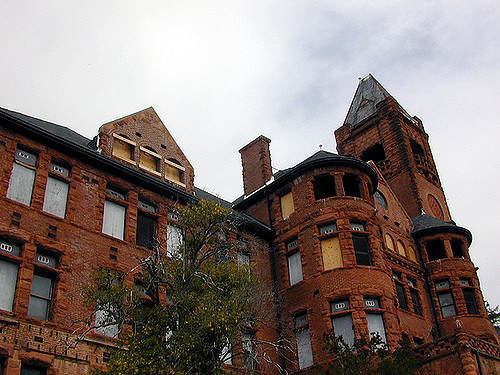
column 18, row 176
column 58, row 174
column 304, row 358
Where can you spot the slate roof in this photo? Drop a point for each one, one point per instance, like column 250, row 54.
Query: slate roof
column 426, row 224
column 364, row 104
column 55, row 129
column 317, row 160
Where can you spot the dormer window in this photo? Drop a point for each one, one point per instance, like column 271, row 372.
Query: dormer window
column 123, row 147
column 149, row 160
column 174, row 171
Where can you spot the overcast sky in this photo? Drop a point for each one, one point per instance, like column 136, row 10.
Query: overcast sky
column 220, row 73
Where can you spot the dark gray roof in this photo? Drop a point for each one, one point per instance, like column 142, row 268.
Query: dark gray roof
column 55, row 129
column 426, row 224
column 364, row 104
column 317, row 160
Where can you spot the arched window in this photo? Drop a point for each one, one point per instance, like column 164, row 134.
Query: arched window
column 389, row 242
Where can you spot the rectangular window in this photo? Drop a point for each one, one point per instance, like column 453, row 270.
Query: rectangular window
column 303, row 339
column 40, row 297
column 29, row 370
column 105, row 323
column 146, row 231
column 113, row 222
column 287, row 206
column 8, row 281
column 9, row 248
column 294, row 268
column 342, row 326
column 357, row 226
column 56, row 196
column 470, row 301
column 248, row 347
column 447, row 304
column 417, row 308
column 174, row 239
column 22, row 177
column 243, row 259
column 351, row 185
column 332, row 255
column 324, row 187
column 174, row 172
column 376, row 325
column 123, row 147
column 149, row 160
column 361, row 249
column 400, row 290
column 442, row 284
column 329, row 228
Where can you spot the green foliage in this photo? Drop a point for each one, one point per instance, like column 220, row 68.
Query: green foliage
column 209, row 302
column 369, row 357
column 494, row 315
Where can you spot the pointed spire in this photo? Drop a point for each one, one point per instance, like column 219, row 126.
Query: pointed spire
column 364, row 104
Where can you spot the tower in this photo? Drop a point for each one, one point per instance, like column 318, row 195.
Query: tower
column 377, row 128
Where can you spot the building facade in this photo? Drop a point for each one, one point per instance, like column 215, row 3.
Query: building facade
column 360, row 242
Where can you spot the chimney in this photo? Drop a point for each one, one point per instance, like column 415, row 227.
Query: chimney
column 256, row 162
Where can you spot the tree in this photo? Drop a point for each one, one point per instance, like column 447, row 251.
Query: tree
column 369, row 357
column 208, row 300
column 494, row 315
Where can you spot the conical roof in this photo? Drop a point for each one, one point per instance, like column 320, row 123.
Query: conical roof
column 425, row 224
column 364, row 104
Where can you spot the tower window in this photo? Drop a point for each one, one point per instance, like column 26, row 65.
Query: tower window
column 470, row 300
column 435, row 250
column 416, row 149
column 351, row 185
column 375, row 153
column 324, row 187
column 456, row 248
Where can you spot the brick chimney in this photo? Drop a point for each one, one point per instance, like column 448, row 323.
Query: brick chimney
column 256, row 162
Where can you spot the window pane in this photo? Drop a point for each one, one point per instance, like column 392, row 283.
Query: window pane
column 146, row 231
column 403, row 304
column 38, row 308
column 103, row 321
column 328, row 228
column 21, row 184
column 304, row 349
column 174, row 239
column 376, row 325
column 470, row 301
column 56, row 195
column 362, row 250
column 416, row 302
column 41, row 286
column 340, row 305
column 294, row 268
column 113, row 222
column 9, row 248
column 448, row 311
column 8, row 280
column 46, row 260
column 27, row 370
column 243, row 259
column 342, row 326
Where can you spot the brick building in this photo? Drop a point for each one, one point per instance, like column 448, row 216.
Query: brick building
column 361, row 241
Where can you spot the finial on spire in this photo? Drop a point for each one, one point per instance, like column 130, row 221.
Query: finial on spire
column 320, row 147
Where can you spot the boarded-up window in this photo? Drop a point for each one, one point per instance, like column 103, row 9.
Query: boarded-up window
column 146, row 231
column 332, row 256
column 389, row 242
column 342, row 326
column 8, row 281
column 174, row 239
column 303, row 338
column 401, row 248
column 149, row 160
column 22, row 177
column 287, row 205
column 113, row 222
column 56, row 195
column 376, row 326
column 174, row 171
column 412, row 254
column 294, row 268
column 123, row 147
column 40, row 297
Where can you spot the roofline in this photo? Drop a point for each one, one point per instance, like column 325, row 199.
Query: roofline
column 301, row 169
column 95, row 158
column 444, row 229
